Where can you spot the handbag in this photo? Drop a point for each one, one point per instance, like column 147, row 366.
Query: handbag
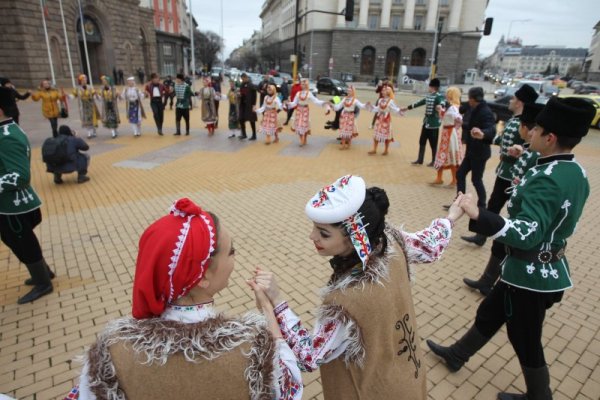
column 63, row 108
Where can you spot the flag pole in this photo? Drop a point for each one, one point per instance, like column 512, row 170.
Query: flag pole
column 87, row 56
column 192, row 44
column 62, row 14
column 47, row 42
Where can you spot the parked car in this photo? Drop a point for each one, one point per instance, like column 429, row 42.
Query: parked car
column 595, row 101
column 312, row 87
column 500, row 107
column 574, row 83
column 332, row 86
column 500, row 92
column 587, row 89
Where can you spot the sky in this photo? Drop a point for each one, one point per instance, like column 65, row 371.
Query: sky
column 566, row 23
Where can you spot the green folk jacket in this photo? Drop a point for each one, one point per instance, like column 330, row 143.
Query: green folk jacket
column 432, row 118
column 543, row 210
column 16, row 194
column 510, row 136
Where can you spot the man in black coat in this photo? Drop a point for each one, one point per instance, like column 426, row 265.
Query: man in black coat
column 479, row 129
column 247, row 102
column 12, row 110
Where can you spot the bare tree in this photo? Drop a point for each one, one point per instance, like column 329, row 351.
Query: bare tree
column 207, row 48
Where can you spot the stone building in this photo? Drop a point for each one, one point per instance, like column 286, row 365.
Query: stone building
column 120, row 34
column 384, row 35
column 591, row 67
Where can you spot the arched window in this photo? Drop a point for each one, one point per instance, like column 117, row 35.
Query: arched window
column 417, row 58
column 392, row 62
column 367, row 61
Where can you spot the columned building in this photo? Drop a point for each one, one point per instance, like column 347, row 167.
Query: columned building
column 384, row 35
column 119, row 34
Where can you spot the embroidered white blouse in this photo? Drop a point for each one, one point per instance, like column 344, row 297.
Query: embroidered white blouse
column 349, row 106
column 287, row 376
column 270, row 103
column 329, row 341
column 302, row 99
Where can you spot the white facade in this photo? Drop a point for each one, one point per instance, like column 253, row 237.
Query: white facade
column 592, row 62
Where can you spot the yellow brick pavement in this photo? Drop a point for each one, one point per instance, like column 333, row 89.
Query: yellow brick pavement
column 89, row 236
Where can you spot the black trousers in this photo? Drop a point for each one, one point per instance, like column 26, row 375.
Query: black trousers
column 16, row 231
column 185, row 114
column 158, row 111
column 289, row 114
column 431, row 135
column 477, row 167
column 523, row 311
column 217, row 112
column 54, row 126
column 168, row 97
column 252, row 126
column 498, row 199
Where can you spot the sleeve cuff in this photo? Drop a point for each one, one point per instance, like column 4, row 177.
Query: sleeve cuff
column 281, row 308
column 488, row 223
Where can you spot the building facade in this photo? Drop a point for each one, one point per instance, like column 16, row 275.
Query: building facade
column 591, row 67
column 384, row 35
column 118, row 34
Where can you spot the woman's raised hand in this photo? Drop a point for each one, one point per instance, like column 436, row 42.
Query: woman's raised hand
column 266, row 280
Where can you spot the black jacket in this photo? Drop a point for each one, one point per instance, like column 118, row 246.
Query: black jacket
column 247, row 101
column 479, row 117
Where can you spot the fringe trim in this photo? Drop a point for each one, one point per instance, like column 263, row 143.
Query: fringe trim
column 355, row 351
column 157, row 339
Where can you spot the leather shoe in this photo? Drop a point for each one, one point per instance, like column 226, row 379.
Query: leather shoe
column 35, row 293
column 243, row 137
column 475, row 239
column 483, row 288
column 252, row 138
column 417, row 162
column 452, row 362
column 430, row 164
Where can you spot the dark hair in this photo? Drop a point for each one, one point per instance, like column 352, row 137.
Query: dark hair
column 564, row 142
column 476, row 93
column 528, row 125
column 217, row 226
column 180, row 76
column 65, row 130
column 154, row 75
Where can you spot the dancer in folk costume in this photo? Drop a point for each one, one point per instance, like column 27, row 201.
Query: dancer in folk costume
column 361, row 357
column 110, row 111
column 50, row 98
column 348, row 128
column 135, row 110
column 383, row 126
column 207, row 98
column 88, row 111
column 270, row 107
column 449, row 152
column 233, row 96
column 302, row 121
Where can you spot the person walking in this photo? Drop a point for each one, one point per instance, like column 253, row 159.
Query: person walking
column 110, row 110
column 19, row 203
column 88, row 111
column 133, row 106
column 449, row 154
column 431, row 121
column 77, row 161
column 183, row 94
column 508, row 137
column 247, row 101
column 543, row 212
column 169, row 85
column 50, row 97
column 157, row 91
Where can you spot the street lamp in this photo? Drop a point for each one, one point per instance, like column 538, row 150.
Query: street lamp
column 510, row 26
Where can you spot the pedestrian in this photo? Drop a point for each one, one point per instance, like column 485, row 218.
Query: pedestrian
column 216, row 85
column 383, row 126
column 526, row 160
column 542, row 214
column 347, row 120
column 88, row 111
column 157, row 91
column 110, row 110
column 12, row 110
column 233, row 98
column 184, row 260
column 170, row 88
column 207, row 97
column 431, row 121
column 508, row 137
column 478, row 131
column 19, row 203
column 183, row 93
column 359, row 356
column 50, row 97
column 247, row 101
column 302, row 120
column 449, row 154
column 296, row 88
column 115, row 76
column 141, row 75
column 133, row 106
column 77, row 161
column 284, row 91
column 121, row 77
column 271, row 106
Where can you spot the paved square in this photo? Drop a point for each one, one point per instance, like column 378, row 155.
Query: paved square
column 90, row 232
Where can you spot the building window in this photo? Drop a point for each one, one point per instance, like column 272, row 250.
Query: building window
column 398, row 2
column 367, row 62
column 444, row 2
column 167, row 50
column 441, row 24
column 420, row 2
column 418, row 22
column 396, row 22
column 417, row 58
column 162, row 24
column 373, row 22
column 392, row 62
column 169, row 68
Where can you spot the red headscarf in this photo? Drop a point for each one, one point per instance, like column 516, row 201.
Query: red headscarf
column 174, row 253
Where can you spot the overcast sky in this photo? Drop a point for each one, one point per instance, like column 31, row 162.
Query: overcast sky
column 566, row 23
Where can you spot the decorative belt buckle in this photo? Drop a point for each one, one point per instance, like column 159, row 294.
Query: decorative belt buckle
column 545, row 256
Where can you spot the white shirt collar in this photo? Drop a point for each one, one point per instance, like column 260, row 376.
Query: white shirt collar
column 189, row 314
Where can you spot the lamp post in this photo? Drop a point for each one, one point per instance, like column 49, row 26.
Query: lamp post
column 510, row 26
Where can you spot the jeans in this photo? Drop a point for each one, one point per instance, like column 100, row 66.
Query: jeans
column 477, row 167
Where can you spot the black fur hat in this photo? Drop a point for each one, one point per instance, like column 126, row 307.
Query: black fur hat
column 566, row 117
column 435, row 82
column 526, row 94
column 530, row 112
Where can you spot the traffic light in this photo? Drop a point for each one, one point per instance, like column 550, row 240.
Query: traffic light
column 487, row 28
column 349, row 11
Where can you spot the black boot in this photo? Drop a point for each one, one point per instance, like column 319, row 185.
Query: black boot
column 477, row 239
column 42, row 283
column 419, row 160
column 51, row 274
column 459, row 353
column 58, row 178
column 488, row 278
column 537, row 381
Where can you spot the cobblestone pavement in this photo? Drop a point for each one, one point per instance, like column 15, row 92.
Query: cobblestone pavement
column 90, row 232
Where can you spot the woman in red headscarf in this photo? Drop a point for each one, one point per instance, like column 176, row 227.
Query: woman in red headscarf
column 176, row 343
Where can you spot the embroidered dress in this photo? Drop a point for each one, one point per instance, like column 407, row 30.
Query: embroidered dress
column 383, row 125
column 135, row 110
column 348, row 106
column 88, row 112
column 449, row 152
column 269, row 124
column 207, row 97
column 110, row 111
column 302, row 118
column 286, row 382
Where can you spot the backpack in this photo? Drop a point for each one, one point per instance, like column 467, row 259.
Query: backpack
column 55, row 150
